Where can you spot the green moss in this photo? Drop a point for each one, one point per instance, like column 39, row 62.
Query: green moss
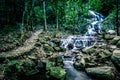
column 118, row 44
column 115, row 40
column 57, row 72
column 89, row 51
column 48, row 48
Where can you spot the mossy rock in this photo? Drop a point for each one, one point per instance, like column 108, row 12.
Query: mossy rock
column 116, row 58
column 38, row 44
column 49, row 64
column 89, row 51
column 115, row 40
column 118, row 44
column 58, row 73
column 109, row 37
column 32, row 72
column 80, row 64
column 48, row 48
column 101, row 73
column 103, row 54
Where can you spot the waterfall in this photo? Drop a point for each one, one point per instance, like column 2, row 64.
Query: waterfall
column 81, row 41
column 78, row 42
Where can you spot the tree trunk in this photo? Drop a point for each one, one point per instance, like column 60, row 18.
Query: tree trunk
column 45, row 21
column 57, row 23
column 117, row 25
column 31, row 15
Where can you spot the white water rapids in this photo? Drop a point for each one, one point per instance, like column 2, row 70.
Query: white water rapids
column 81, row 41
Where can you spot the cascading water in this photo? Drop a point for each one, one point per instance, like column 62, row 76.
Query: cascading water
column 78, row 42
column 93, row 28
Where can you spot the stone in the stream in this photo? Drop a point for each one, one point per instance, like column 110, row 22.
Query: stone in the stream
column 80, row 63
column 88, row 50
column 115, row 40
column 89, row 62
column 101, row 73
column 57, row 73
column 116, row 57
column 70, row 46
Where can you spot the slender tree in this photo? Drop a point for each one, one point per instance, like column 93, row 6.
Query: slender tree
column 44, row 9
column 117, row 22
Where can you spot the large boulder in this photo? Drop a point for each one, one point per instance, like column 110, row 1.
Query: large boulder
column 80, row 63
column 118, row 44
column 101, row 73
column 57, row 73
column 116, row 57
column 102, row 54
column 115, row 40
column 109, row 37
column 89, row 50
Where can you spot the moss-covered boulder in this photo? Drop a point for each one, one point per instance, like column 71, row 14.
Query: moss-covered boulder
column 101, row 73
column 57, row 73
column 102, row 53
column 115, row 40
column 116, row 57
column 118, row 44
column 57, row 49
column 89, row 50
column 49, row 64
column 48, row 48
column 80, row 63
column 109, row 37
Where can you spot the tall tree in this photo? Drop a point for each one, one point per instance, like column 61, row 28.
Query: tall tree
column 45, row 20
column 117, row 22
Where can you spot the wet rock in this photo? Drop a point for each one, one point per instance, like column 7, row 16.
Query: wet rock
column 88, row 50
column 116, row 57
column 70, row 46
column 57, row 73
column 109, row 37
column 32, row 57
column 113, row 32
column 58, row 49
column 101, row 73
column 115, row 40
column 32, row 72
column 80, row 63
column 118, row 44
column 56, row 41
column 102, row 53
column 89, row 62
column 41, row 64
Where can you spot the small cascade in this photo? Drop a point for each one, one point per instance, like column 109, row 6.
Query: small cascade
column 78, row 42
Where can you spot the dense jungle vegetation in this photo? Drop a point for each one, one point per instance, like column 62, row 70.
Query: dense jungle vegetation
column 21, row 20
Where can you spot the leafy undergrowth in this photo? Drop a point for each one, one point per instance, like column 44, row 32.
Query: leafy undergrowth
column 11, row 38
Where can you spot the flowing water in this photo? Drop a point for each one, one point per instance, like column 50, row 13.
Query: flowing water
column 79, row 42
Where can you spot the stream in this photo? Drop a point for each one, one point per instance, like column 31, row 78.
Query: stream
column 75, row 42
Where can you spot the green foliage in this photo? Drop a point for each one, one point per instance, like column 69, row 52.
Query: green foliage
column 109, row 22
column 38, row 13
column 13, row 71
column 57, row 72
column 95, row 4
